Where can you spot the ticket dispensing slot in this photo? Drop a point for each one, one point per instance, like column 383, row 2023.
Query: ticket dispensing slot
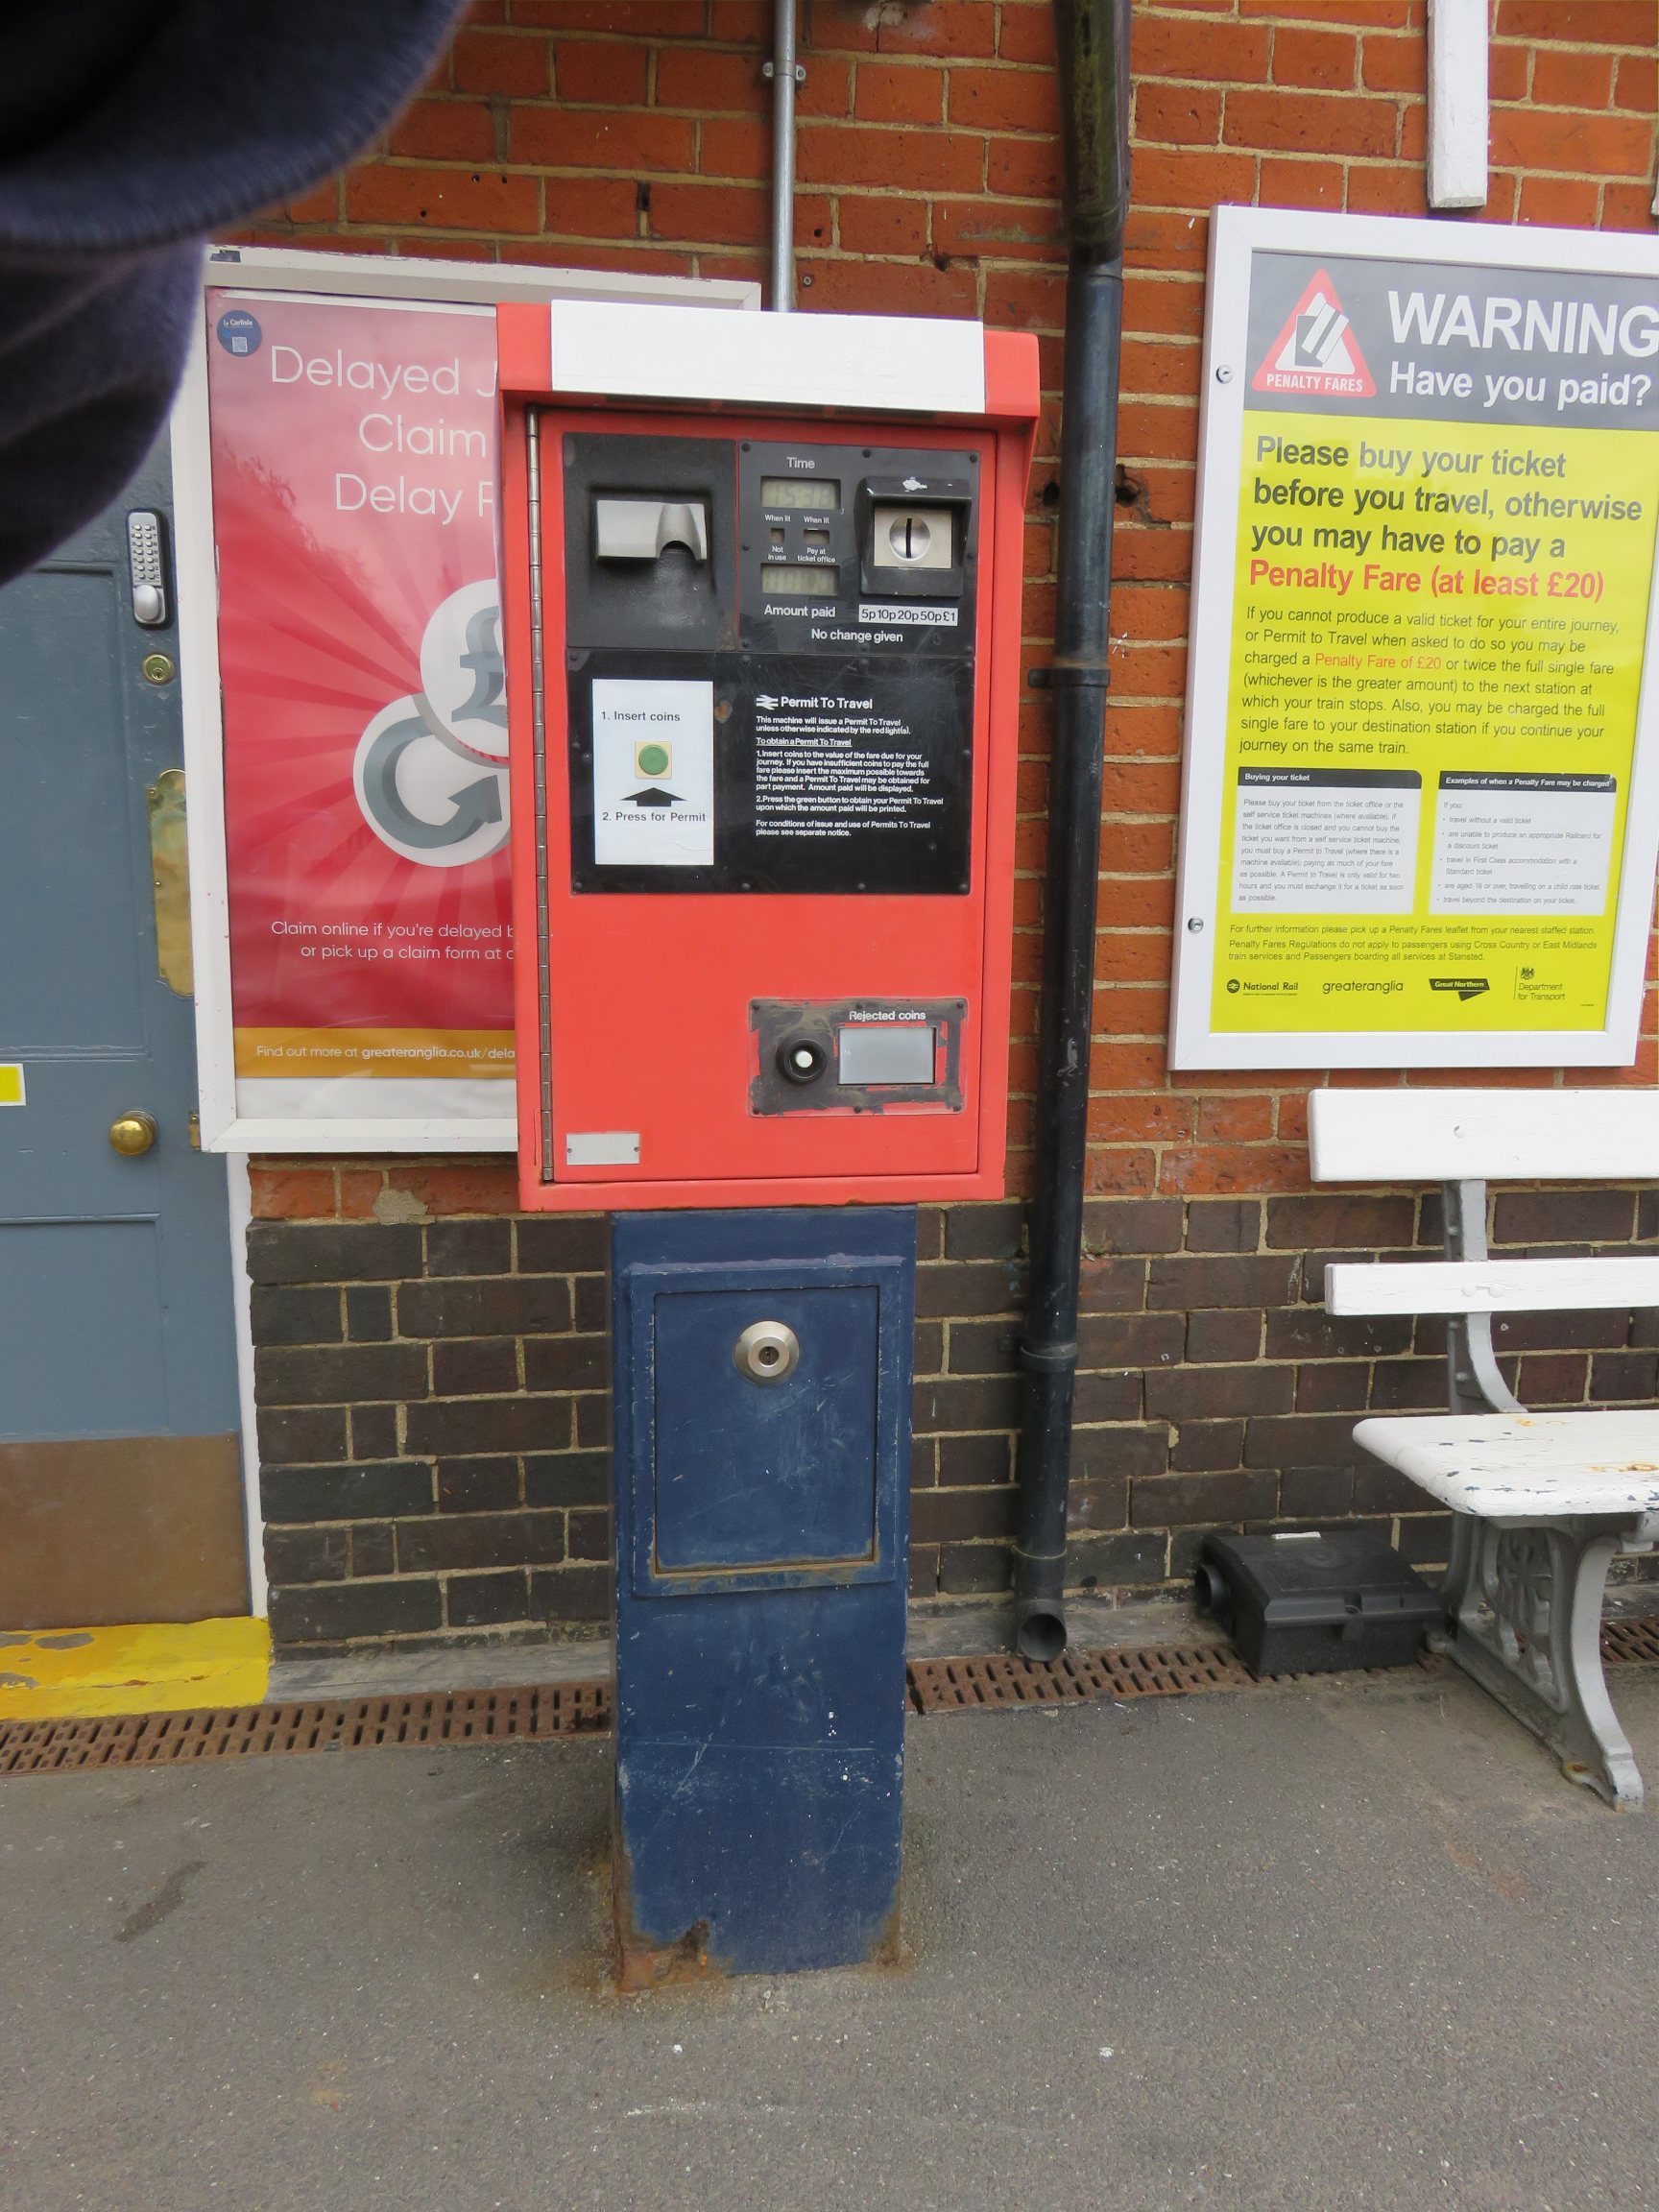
column 648, row 543
column 644, row 529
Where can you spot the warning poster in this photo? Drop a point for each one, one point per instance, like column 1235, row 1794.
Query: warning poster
column 354, row 464
column 1419, row 815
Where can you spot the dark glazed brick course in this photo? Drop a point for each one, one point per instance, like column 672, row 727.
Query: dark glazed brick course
column 480, row 1540
column 345, row 1612
column 300, row 1433
column 567, row 1363
column 346, row 1493
column 333, row 1252
column 1340, row 1218
column 1563, row 1218
column 287, row 1314
column 984, row 1232
column 434, row 1409
column 564, row 1245
column 480, row 1486
column 468, row 1247
column 1132, row 1225
column 486, row 1601
column 966, row 1286
column 475, row 1367
column 333, row 1375
column 455, row 1426
column 1223, row 1225
column 1224, row 1280
column 567, row 1477
column 373, row 1432
column 369, row 1312
column 1232, row 1332
column 491, row 1306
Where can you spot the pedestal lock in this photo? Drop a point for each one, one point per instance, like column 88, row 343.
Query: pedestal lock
column 766, row 1352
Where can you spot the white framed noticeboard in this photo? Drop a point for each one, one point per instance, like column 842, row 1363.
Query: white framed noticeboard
column 1420, row 807
column 334, row 472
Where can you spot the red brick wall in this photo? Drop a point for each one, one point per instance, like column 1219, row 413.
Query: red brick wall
column 635, row 133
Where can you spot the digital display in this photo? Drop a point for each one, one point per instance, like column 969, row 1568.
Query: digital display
column 798, row 580
column 819, row 494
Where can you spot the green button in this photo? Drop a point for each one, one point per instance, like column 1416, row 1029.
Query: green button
column 653, row 759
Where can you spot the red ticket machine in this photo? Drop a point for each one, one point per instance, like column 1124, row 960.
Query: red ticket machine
column 762, row 593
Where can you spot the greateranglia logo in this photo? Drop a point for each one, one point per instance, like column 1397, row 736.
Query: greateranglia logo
column 238, row 332
column 1316, row 353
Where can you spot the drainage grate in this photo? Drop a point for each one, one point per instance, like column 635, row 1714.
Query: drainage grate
column 1157, row 1671
column 583, row 1708
column 265, row 1731
column 1634, row 1642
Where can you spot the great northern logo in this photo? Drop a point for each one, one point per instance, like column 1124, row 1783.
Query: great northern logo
column 1316, row 353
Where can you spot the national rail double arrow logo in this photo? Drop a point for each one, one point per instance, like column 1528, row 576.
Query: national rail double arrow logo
column 1316, row 354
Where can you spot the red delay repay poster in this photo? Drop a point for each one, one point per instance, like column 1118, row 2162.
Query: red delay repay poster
column 354, row 474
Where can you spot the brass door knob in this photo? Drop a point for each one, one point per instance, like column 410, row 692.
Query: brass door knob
column 133, row 1132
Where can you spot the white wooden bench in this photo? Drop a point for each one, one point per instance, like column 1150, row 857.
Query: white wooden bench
column 1541, row 1502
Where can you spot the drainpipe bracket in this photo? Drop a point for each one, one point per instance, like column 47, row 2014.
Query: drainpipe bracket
column 769, row 70
column 1076, row 679
column 1050, row 1359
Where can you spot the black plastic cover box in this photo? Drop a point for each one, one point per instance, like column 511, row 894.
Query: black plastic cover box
column 1313, row 1602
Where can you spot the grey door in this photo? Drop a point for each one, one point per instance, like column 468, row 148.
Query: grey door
column 120, row 1487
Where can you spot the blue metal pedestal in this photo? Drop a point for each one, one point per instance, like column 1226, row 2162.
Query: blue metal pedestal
column 762, row 1423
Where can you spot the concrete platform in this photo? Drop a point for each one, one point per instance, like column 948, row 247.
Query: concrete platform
column 1348, row 1945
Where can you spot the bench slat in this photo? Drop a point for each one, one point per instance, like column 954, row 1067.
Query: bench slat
column 1510, row 1466
column 1491, row 1286
column 1448, row 1135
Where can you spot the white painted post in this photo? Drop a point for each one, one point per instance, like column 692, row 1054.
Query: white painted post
column 1457, row 129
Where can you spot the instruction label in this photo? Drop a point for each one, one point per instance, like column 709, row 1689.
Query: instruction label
column 828, row 765
column 1443, row 563
column 653, row 773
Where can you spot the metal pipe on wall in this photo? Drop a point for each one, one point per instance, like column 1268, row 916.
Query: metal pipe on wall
column 1093, row 37
column 786, row 72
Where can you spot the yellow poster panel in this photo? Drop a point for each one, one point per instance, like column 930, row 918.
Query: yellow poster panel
column 1438, row 641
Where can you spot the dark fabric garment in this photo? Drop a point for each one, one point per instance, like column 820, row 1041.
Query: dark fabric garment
column 129, row 130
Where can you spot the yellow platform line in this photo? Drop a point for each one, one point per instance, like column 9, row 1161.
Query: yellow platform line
column 142, row 1667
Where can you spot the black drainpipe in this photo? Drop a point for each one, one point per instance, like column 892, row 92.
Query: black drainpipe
column 1093, row 44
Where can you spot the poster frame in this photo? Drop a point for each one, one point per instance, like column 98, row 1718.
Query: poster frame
column 314, row 274
column 1236, row 234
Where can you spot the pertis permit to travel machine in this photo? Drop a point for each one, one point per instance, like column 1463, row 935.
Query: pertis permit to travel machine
column 762, row 594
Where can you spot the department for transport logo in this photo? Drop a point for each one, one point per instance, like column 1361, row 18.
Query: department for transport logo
column 1316, row 352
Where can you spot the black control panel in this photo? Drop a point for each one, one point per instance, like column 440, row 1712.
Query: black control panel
column 770, row 664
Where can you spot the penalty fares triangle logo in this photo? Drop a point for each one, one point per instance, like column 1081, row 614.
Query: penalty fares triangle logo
column 1316, row 354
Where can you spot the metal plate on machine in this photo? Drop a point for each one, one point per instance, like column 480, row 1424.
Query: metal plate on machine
column 739, row 1483
column 856, row 1055
column 764, row 1476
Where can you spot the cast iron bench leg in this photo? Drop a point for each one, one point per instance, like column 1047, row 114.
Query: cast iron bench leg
column 1524, row 1618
